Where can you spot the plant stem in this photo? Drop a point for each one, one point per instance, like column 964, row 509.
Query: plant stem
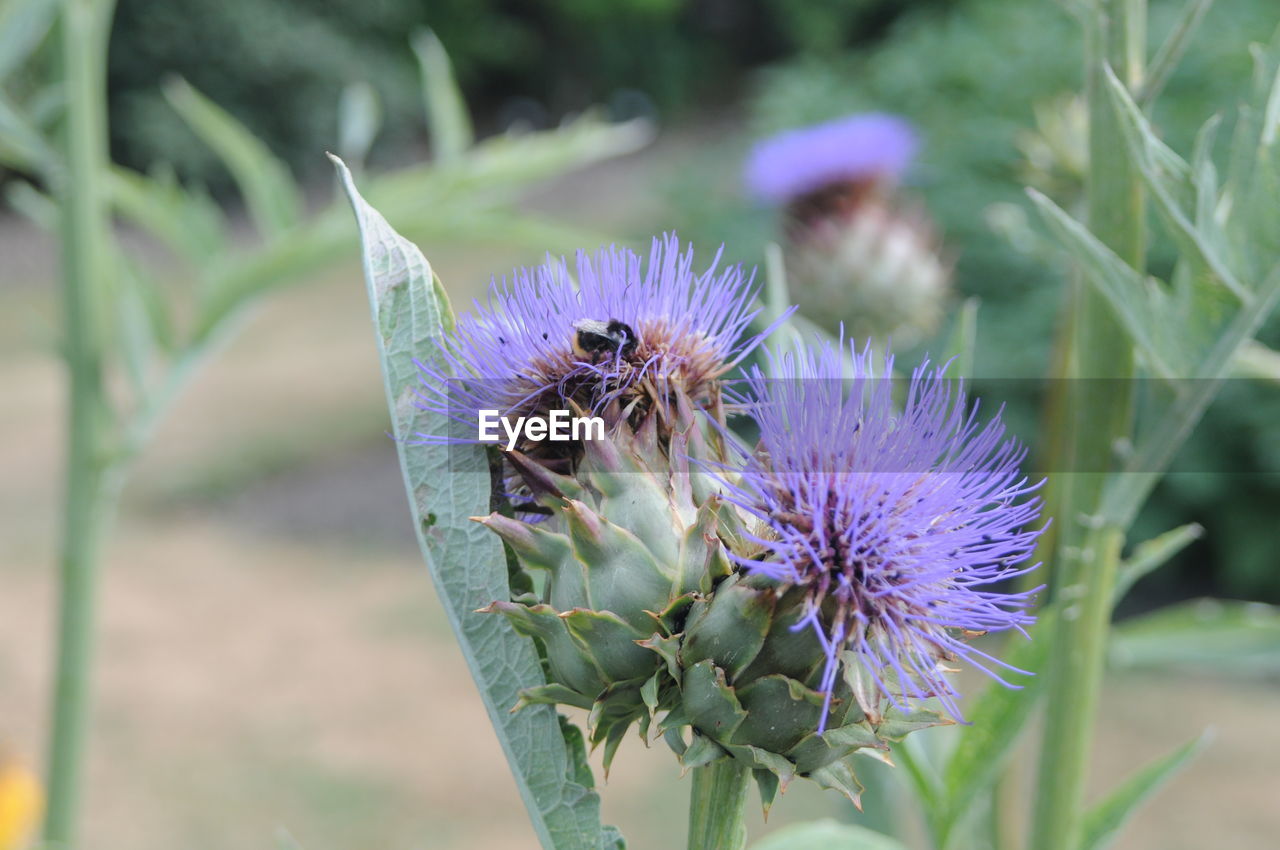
column 1100, row 366
column 89, row 485
column 716, row 806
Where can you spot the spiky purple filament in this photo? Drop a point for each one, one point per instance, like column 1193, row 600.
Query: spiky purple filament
column 896, row 523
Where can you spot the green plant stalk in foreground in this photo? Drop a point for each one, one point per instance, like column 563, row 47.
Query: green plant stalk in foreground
column 84, row 227
column 1086, row 557
column 717, row 804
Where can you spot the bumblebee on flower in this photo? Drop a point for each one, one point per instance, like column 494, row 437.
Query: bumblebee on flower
column 622, row 336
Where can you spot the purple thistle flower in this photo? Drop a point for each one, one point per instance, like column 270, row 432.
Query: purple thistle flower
column 896, row 523
column 855, row 149
column 662, row 329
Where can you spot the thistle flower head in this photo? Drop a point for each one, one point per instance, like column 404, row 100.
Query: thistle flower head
column 895, row 523
column 642, row 332
column 856, row 149
column 879, row 272
column 855, row 255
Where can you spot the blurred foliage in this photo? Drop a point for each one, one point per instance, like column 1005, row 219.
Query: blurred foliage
column 985, row 80
column 155, row 333
column 982, row 79
column 519, row 62
column 1217, row 637
column 278, row 66
column 134, row 336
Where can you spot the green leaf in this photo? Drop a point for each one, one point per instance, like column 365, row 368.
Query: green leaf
column 826, row 834
column 1103, row 823
column 1217, row 636
column 187, row 221
column 468, row 201
column 1171, row 183
column 1126, row 493
column 963, row 341
column 920, row 772
column 269, row 191
column 359, row 119
column 1171, row 52
column 1138, row 301
column 21, row 145
column 23, row 25
column 447, row 118
column 1204, row 176
column 997, row 719
column 144, row 325
column 37, row 206
column 500, row 166
column 1259, row 362
column 1153, row 554
column 446, row 485
column 1253, row 171
column 286, row 841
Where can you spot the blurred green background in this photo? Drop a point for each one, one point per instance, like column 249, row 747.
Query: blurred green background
column 273, row 656
column 971, row 73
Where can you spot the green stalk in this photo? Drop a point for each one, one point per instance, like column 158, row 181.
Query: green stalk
column 1100, row 364
column 717, row 804
column 89, row 485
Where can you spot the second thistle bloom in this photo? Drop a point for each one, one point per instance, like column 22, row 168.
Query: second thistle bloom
column 856, row 255
column 897, row 525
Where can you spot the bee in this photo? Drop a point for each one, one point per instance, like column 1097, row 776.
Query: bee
column 592, row 338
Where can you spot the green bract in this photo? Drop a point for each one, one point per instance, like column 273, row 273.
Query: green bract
column 876, row 272
column 749, row 690
column 642, row 614
column 633, row 543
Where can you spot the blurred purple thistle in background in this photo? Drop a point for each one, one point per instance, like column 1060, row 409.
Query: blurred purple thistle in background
column 857, row 256
column 898, row 524
column 858, row 149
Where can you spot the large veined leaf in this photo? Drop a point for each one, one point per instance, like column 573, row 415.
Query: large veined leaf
column 446, row 486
